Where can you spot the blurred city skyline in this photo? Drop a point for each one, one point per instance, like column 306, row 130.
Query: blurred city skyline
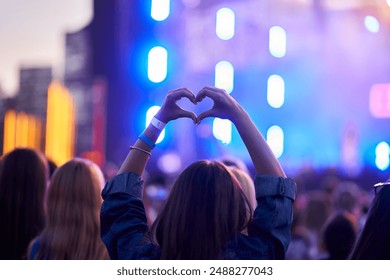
column 32, row 35
column 313, row 74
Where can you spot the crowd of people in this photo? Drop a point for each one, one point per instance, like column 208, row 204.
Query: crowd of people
column 214, row 209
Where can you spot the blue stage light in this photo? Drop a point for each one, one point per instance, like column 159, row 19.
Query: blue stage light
column 150, row 113
column 224, row 76
column 275, row 91
column 372, row 24
column 157, row 64
column 382, row 156
column 275, row 139
column 160, row 9
column 277, row 41
column 225, row 23
column 222, row 130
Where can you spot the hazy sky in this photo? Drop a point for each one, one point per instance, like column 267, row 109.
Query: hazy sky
column 32, row 34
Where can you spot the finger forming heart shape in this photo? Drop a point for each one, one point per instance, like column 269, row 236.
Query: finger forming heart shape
column 173, row 108
column 198, row 108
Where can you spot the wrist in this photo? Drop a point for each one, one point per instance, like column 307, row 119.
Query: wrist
column 149, row 142
column 160, row 125
column 239, row 115
column 160, row 116
column 152, row 132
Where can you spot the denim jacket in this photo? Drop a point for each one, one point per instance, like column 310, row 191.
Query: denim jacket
column 125, row 231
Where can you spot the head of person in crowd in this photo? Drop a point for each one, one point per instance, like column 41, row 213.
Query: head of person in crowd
column 23, row 181
column 346, row 197
column 205, row 209
column 155, row 193
column 373, row 242
column 316, row 212
column 240, row 170
column 72, row 229
column 339, row 235
column 234, row 162
column 247, row 185
column 52, row 167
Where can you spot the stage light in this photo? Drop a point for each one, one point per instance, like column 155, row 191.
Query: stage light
column 380, row 100
column 224, row 76
column 21, row 139
column 191, row 3
column 160, row 9
column 170, row 163
column 275, row 139
column 382, row 156
column 222, row 130
column 21, row 130
column 388, row 2
column 157, row 64
column 275, row 91
column 60, row 124
column 225, row 23
column 150, row 113
column 277, row 41
column 372, row 24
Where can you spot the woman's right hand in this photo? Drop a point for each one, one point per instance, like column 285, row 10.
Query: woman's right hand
column 171, row 111
column 225, row 106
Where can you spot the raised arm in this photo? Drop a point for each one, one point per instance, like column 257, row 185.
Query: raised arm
column 140, row 152
column 226, row 107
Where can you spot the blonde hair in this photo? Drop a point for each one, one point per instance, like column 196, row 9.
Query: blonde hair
column 247, row 185
column 72, row 228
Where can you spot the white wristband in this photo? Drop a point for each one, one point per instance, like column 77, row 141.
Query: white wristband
column 158, row 124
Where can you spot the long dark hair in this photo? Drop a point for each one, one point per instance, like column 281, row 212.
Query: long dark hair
column 373, row 242
column 23, row 182
column 205, row 209
column 72, row 229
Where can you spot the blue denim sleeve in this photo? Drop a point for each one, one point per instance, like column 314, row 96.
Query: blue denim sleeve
column 274, row 213
column 129, row 183
column 123, row 220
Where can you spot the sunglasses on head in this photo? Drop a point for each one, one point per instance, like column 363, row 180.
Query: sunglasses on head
column 379, row 186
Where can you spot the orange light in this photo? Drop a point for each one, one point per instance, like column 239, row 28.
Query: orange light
column 38, row 135
column 31, row 133
column 9, row 131
column 60, row 124
column 21, row 130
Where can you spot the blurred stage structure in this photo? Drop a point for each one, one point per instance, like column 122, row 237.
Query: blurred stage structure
column 314, row 76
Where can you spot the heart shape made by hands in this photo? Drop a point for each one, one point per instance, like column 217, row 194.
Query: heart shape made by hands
column 202, row 106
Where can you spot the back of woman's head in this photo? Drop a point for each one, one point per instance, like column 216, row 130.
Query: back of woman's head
column 373, row 242
column 73, row 205
column 22, row 190
column 206, row 207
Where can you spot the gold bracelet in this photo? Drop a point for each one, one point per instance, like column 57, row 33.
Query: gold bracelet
column 141, row 150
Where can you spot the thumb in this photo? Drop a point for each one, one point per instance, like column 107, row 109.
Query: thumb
column 187, row 114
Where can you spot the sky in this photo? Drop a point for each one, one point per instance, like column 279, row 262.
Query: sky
column 32, row 34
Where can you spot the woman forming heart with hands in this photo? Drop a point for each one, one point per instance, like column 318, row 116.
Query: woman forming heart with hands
column 206, row 210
